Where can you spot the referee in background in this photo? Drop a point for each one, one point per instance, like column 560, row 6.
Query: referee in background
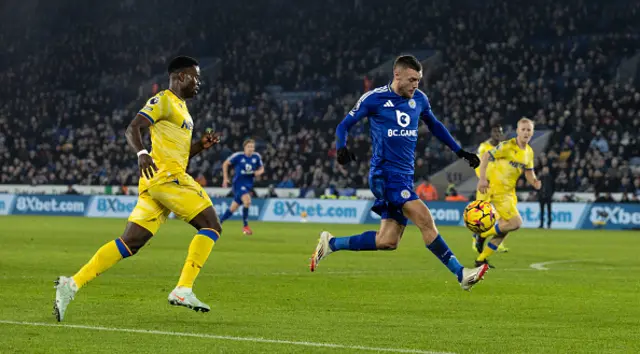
column 545, row 195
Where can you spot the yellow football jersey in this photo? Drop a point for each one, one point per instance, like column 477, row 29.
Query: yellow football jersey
column 509, row 161
column 170, row 136
column 484, row 147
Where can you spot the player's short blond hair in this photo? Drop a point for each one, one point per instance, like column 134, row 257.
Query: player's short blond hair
column 526, row 120
column 247, row 142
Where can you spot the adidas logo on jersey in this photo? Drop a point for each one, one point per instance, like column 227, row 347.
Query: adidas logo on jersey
column 389, row 104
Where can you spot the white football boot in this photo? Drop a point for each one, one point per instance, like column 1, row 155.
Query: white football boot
column 66, row 290
column 471, row 277
column 185, row 297
column 322, row 250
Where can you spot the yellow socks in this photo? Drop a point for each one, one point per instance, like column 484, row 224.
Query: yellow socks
column 112, row 252
column 486, row 252
column 495, row 230
column 106, row 257
column 199, row 251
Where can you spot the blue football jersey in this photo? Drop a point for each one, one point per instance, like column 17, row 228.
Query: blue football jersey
column 244, row 167
column 393, row 121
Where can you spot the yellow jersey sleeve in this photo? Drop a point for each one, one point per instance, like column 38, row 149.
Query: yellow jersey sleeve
column 529, row 163
column 484, row 147
column 157, row 108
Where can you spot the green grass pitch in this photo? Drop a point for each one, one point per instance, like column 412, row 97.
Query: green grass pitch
column 265, row 300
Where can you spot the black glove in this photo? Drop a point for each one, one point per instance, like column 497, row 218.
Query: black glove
column 345, row 156
column 472, row 159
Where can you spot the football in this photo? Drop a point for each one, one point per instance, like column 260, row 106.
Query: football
column 479, row 216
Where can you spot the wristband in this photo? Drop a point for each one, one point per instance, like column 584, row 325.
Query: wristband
column 143, row 152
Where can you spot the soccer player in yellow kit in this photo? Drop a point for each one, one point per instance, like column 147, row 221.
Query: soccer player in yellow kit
column 509, row 159
column 496, row 137
column 164, row 187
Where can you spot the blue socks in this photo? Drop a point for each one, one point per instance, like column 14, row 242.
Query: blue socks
column 440, row 249
column 366, row 241
column 227, row 214
column 245, row 216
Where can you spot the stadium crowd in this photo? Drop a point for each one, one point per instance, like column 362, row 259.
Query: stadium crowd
column 70, row 83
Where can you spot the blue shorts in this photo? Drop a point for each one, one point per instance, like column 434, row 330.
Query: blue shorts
column 391, row 190
column 239, row 191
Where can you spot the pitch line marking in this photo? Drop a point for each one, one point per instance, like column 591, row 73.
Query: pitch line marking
column 542, row 265
column 221, row 337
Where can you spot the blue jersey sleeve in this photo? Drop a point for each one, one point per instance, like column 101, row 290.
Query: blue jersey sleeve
column 359, row 111
column 233, row 159
column 436, row 127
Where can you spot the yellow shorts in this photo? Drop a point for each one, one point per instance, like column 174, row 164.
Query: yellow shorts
column 506, row 205
column 483, row 196
column 183, row 196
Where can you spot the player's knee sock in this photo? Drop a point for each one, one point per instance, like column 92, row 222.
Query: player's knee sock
column 441, row 250
column 366, row 241
column 486, row 252
column 495, row 230
column 245, row 216
column 106, row 257
column 227, row 214
column 199, row 251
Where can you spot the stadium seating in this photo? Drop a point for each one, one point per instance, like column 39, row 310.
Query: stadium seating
column 69, row 84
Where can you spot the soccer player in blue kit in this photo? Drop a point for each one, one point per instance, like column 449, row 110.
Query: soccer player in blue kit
column 394, row 111
column 247, row 165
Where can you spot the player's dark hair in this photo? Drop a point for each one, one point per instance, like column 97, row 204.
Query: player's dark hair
column 408, row 61
column 496, row 126
column 181, row 62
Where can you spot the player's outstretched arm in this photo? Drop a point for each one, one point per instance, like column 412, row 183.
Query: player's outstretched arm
column 359, row 111
column 134, row 138
column 442, row 133
column 209, row 139
column 225, row 173
column 483, row 183
column 259, row 171
column 530, row 175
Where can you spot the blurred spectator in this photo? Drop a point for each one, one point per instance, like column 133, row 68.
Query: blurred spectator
column 531, row 197
column 71, row 190
column 426, row 191
column 455, row 197
column 287, row 74
column 271, row 192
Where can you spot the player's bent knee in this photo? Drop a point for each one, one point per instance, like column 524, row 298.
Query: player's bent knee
column 207, row 219
column 516, row 223
column 135, row 237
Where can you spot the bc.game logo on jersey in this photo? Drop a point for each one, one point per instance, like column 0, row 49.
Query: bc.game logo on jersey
column 403, row 120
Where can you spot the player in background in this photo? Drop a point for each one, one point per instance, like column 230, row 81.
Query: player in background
column 496, row 137
column 247, row 164
column 509, row 159
column 394, row 111
column 164, row 187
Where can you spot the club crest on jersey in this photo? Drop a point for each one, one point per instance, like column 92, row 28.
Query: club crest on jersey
column 253, row 160
column 187, row 125
column 405, row 194
column 412, row 103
